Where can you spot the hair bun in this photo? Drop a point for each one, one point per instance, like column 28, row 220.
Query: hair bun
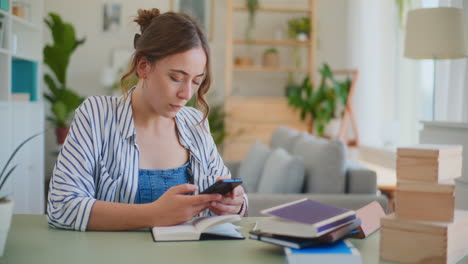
column 145, row 17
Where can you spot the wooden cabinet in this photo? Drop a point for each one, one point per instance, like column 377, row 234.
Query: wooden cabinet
column 255, row 117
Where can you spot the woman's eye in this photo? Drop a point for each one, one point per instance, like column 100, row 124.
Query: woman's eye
column 196, row 83
column 175, row 79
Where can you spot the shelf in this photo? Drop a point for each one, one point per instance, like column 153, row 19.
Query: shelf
column 4, row 51
column 24, row 57
column 276, row 9
column 265, row 69
column 273, row 42
column 25, row 23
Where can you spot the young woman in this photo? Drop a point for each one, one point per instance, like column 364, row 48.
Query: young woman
column 141, row 160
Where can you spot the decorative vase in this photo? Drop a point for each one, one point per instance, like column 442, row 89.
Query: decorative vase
column 243, row 61
column 6, row 211
column 270, row 60
column 61, row 134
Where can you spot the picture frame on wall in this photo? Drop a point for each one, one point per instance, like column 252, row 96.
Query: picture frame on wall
column 201, row 10
column 111, row 17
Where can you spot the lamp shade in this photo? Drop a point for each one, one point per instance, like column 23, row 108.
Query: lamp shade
column 435, row 33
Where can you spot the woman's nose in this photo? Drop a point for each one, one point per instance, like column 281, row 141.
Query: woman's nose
column 186, row 91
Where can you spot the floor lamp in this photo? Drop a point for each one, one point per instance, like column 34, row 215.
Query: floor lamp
column 435, row 33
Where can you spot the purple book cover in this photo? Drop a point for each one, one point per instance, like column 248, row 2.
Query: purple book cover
column 312, row 213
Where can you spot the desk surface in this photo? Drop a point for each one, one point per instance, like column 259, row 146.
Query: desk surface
column 30, row 240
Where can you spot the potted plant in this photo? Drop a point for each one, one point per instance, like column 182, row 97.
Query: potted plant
column 252, row 6
column 270, row 58
column 63, row 101
column 320, row 103
column 6, row 204
column 299, row 28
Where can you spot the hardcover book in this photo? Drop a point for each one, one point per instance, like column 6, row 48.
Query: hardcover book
column 305, row 218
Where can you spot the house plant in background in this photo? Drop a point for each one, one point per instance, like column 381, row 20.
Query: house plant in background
column 299, row 28
column 323, row 103
column 6, row 204
column 63, row 101
column 270, row 58
column 252, row 6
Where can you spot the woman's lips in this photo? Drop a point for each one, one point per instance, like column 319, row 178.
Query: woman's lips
column 175, row 107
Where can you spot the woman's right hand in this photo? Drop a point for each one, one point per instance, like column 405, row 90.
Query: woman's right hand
column 174, row 207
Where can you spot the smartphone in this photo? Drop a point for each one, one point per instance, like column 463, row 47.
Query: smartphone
column 223, row 186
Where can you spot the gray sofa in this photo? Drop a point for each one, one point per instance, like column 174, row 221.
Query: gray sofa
column 298, row 165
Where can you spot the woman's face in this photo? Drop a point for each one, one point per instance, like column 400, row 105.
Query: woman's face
column 172, row 81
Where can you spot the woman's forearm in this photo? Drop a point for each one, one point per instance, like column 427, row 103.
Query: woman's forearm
column 107, row 216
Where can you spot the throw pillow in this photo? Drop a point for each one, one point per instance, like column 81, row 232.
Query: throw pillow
column 251, row 167
column 325, row 164
column 282, row 173
column 281, row 137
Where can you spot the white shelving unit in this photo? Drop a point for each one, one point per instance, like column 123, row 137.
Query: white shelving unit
column 21, row 73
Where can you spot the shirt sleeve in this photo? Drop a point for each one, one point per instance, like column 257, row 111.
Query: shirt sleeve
column 72, row 188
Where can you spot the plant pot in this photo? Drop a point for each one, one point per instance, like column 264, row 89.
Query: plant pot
column 6, row 211
column 61, row 134
column 270, row 60
column 243, row 61
column 302, row 36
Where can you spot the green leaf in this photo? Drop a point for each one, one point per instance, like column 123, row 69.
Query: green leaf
column 4, row 177
column 60, row 111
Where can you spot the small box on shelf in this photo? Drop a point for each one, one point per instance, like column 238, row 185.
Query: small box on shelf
column 24, row 78
column 20, row 97
column 18, row 11
column 5, row 5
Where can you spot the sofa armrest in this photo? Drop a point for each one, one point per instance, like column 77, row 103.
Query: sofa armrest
column 233, row 167
column 360, row 180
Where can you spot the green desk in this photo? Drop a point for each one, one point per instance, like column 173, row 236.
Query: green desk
column 31, row 241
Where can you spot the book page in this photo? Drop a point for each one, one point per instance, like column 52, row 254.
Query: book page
column 179, row 232
column 203, row 223
column 226, row 229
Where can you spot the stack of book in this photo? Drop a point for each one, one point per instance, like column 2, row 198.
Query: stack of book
column 426, row 227
column 310, row 231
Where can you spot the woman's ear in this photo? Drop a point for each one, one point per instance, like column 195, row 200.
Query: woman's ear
column 142, row 68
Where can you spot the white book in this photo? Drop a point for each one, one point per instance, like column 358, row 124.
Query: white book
column 200, row 228
column 339, row 252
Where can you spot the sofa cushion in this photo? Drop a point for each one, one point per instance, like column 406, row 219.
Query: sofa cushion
column 251, row 166
column 282, row 173
column 325, row 164
column 282, row 138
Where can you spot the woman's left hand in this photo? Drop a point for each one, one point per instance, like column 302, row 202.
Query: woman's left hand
column 231, row 203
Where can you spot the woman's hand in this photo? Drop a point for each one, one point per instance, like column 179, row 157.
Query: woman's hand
column 231, row 203
column 174, row 207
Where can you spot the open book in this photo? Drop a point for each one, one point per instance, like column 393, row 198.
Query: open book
column 201, row 228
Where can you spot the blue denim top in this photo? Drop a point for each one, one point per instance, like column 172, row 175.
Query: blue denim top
column 154, row 183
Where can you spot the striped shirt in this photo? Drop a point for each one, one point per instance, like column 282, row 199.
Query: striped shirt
column 100, row 159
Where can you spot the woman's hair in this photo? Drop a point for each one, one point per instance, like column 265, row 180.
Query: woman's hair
column 163, row 35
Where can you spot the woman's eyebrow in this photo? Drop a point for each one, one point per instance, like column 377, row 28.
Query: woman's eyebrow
column 185, row 73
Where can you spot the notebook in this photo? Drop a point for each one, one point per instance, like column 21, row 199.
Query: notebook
column 201, row 228
column 305, row 218
column 339, row 252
